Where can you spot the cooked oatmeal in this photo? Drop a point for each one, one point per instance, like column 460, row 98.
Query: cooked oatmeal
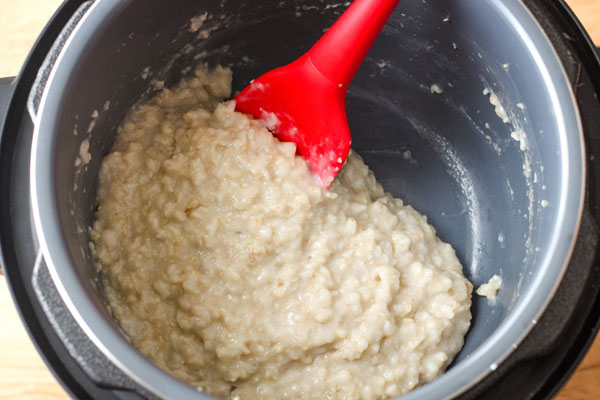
column 230, row 267
column 490, row 289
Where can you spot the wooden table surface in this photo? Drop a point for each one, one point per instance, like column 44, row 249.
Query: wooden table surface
column 23, row 375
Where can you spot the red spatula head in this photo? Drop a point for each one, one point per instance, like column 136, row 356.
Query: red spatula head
column 300, row 105
column 305, row 101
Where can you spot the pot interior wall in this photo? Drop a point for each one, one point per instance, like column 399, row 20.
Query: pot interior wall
column 417, row 110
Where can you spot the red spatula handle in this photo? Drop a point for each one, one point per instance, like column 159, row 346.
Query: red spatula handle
column 341, row 50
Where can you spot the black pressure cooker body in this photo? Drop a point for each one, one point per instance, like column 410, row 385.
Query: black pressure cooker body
column 538, row 365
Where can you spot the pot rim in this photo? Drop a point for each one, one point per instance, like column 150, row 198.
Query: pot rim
column 109, row 339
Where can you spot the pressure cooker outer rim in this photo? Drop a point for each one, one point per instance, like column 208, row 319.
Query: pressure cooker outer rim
column 109, row 339
column 13, row 242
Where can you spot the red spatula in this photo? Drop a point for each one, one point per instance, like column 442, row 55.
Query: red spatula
column 305, row 101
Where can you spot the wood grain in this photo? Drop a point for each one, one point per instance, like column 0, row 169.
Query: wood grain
column 23, row 374
column 588, row 12
column 20, row 24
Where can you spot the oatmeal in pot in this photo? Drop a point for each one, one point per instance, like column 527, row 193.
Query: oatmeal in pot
column 231, row 268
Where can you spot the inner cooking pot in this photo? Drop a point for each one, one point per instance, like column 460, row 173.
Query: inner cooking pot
column 462, row 109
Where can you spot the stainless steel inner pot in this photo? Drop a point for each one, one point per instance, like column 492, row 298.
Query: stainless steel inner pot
column 509, row 207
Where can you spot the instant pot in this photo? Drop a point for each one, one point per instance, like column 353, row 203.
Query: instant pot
column 482, row 115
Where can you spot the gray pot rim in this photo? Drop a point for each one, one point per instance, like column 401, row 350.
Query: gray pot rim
column 461, row 377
